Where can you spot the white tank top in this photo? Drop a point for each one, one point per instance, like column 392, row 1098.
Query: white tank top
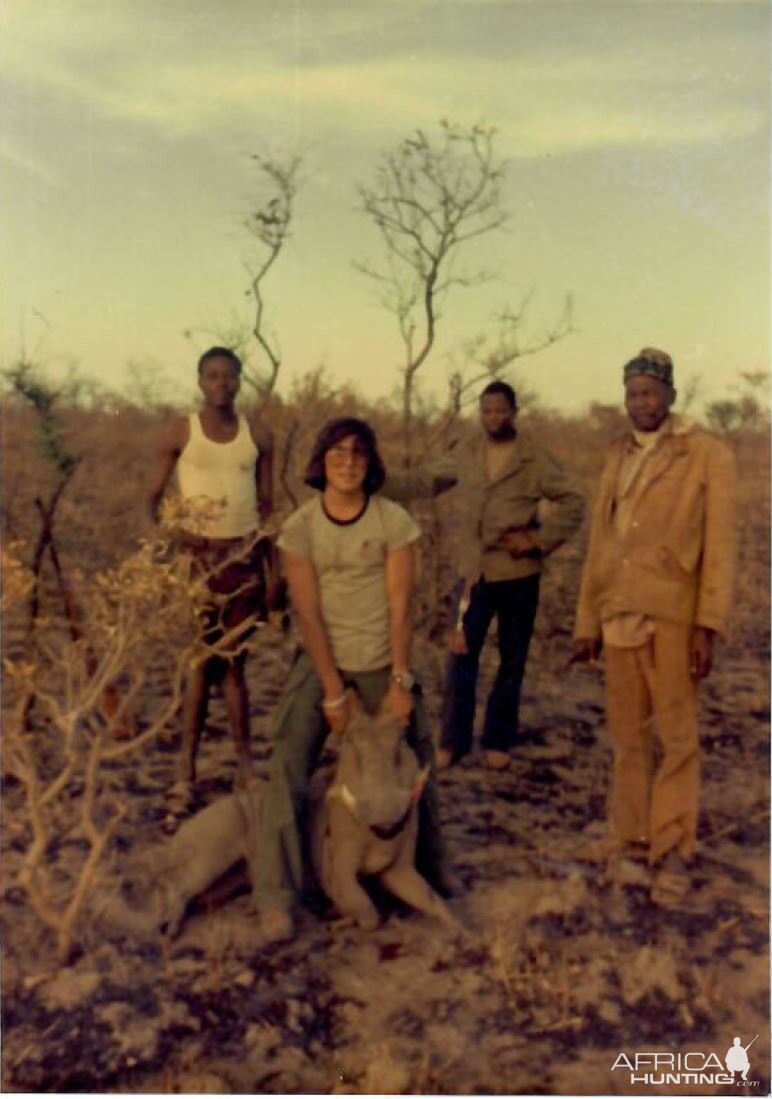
column 218, row 481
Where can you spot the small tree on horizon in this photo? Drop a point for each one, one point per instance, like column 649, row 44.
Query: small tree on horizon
column 269, row 223
column 429, row 198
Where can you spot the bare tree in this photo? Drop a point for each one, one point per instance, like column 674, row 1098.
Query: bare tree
column 269, row 224
column 147, row 387
column 27, row 382
column 59, row 762
column 748, row 412
column 139, row 624
column 428, row 199
column 689, row 393
column 486, row 357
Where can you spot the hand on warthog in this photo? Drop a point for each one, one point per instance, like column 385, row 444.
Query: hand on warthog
column 337, row 711
column 399, row 702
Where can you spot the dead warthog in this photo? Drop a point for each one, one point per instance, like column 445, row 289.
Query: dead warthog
column 363, row 821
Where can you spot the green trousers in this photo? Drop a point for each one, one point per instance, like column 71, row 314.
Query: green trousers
column 300, row 731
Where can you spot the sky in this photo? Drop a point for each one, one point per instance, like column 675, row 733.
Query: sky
column 636, row 135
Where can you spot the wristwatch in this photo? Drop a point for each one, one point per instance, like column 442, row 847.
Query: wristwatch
column 406, row 680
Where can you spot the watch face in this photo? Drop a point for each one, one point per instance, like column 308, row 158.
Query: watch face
column 405, row 679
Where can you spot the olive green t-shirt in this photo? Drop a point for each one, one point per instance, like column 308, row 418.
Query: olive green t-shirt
column 350, row 563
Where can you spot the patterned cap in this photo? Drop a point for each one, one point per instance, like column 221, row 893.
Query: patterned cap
column 654, row 363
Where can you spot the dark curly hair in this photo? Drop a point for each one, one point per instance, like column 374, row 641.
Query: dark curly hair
column 329, row 436
column 220, row 353
column 502, row 389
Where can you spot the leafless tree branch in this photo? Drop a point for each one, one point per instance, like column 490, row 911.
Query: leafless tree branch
column 428, row 198
column 269, row 223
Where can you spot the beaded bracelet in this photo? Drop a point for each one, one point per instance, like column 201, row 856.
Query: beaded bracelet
column 335, row 704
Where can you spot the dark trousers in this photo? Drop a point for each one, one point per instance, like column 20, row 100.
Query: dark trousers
column 514, row 604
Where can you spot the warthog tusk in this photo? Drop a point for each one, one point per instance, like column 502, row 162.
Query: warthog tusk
column 348, row 799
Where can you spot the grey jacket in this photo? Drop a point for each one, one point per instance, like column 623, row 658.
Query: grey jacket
column 489, row 508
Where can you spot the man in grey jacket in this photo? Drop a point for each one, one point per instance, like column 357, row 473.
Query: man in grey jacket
column 501, row 477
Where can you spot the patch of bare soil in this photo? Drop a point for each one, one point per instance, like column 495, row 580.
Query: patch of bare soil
column 566, row 966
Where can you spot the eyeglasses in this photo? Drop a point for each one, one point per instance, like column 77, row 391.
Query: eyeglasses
column 340, row 454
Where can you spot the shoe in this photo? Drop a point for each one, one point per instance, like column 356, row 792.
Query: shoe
column 671, row 882
column 609, row 848
column 275, row 926
column 496, row 761
column 444, row 759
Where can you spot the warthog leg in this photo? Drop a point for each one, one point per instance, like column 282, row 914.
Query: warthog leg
column 344, row 889
column 175, row 906
column 406, row 883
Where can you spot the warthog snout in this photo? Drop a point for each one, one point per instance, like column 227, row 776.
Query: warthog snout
column 385, row 811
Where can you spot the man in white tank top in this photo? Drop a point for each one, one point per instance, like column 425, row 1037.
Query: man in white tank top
column 224, row 465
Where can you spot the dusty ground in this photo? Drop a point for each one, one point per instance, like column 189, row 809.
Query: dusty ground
column 564, row 969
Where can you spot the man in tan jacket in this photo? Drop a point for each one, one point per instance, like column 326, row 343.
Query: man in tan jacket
column 503, row 539
column 656, row 589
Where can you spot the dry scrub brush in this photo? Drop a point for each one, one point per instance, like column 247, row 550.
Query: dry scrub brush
column 107, row 485
column 538, row 967
column 139, row 615
column 139, row 621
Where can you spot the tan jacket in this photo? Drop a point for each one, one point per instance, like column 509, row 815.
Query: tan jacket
column 676, row 558
column 489, row 508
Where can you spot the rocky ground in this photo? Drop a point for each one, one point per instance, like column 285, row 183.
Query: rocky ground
column 567, row 964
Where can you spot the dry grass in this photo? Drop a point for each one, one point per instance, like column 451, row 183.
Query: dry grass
column 77, row 797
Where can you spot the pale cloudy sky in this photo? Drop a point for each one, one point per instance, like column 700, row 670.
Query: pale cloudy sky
column 637, row 135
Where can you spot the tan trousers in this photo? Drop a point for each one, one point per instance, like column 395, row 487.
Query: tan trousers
column 650, row 694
